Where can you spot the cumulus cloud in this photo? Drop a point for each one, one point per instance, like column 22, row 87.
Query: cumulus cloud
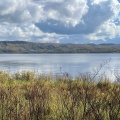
column 84, row 19
column 56, row 19
column 107, row 30
column 11, row 10
column 26, row 32
column 19, row 11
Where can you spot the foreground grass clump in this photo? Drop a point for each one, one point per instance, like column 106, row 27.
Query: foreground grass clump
column 30, row 96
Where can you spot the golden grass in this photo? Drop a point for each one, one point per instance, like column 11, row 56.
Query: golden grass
column 30, row 96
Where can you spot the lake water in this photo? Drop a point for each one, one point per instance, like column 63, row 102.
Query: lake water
column 74, row 64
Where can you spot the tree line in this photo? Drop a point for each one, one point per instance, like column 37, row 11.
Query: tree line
column 31, row 47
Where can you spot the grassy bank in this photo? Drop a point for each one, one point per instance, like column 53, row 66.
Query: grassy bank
column 30, row 96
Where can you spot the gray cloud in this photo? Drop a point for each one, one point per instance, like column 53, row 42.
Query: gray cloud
column 11, row 10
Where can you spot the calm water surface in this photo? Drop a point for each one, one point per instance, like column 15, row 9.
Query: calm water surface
column 57, row 63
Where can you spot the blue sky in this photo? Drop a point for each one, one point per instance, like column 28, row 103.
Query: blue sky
column 60, row 21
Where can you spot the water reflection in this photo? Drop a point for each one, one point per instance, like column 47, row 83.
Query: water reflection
column 56, row 63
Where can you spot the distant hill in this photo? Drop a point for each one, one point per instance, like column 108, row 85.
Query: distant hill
column 30, row 47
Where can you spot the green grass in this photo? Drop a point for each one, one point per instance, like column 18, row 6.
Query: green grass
column 31, row 96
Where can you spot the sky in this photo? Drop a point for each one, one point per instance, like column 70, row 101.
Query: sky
column 60, row 21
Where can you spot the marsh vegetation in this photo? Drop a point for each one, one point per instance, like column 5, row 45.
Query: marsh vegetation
column 33, row 96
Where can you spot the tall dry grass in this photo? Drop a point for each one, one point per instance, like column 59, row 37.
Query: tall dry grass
column 30, row 96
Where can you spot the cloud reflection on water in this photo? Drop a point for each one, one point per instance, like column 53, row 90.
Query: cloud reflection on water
column 74, row 64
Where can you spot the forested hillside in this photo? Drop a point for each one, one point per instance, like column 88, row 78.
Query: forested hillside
column 30, row 47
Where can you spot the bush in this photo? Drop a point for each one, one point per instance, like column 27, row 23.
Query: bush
column 30, row 96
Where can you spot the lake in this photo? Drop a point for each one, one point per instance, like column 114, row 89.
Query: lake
column 74, row 64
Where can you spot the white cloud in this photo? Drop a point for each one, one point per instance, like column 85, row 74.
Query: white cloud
column 78, row 17
column 26, row 32
column 12, row 10
column 8, row 7
column 48, row 20
column 108, row 30
column 67, row 11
